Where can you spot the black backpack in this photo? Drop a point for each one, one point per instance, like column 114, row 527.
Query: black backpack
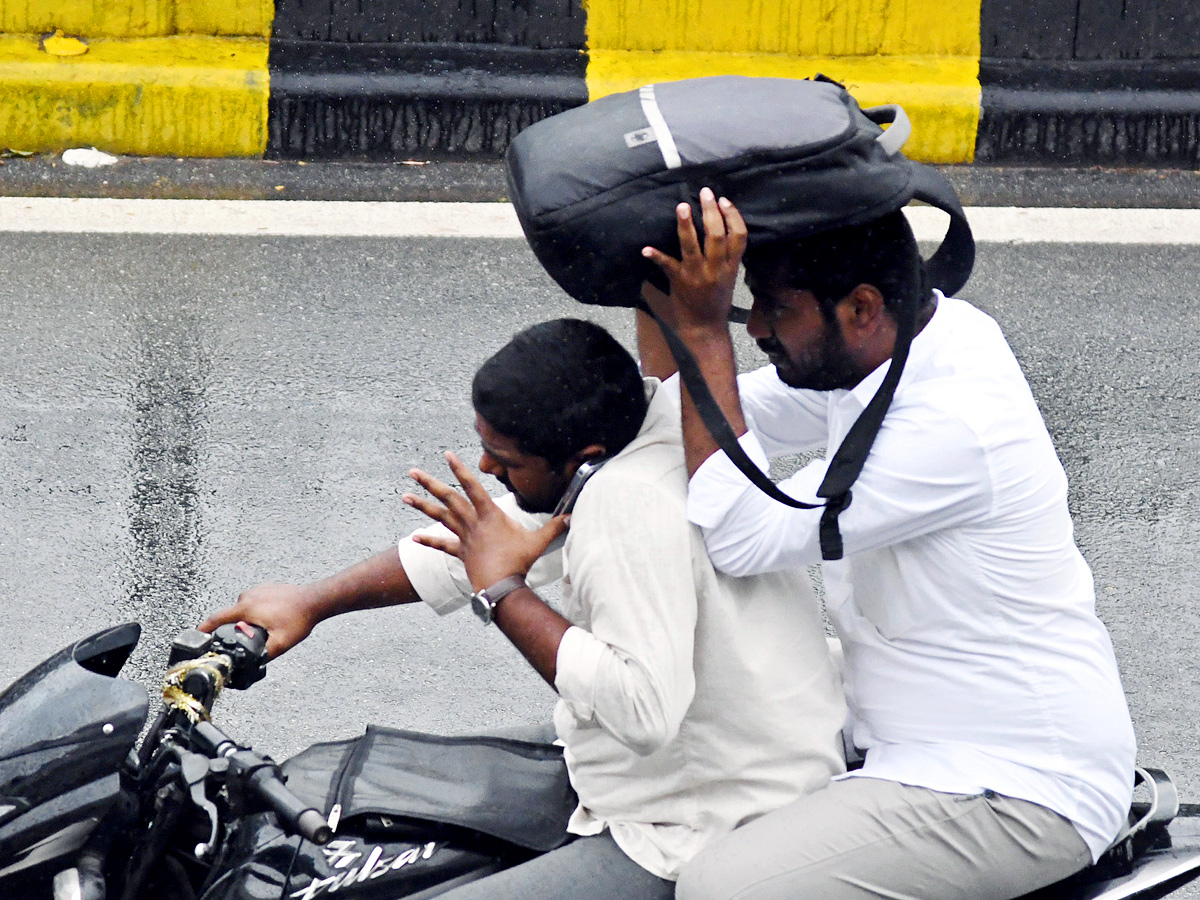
column 593, row 185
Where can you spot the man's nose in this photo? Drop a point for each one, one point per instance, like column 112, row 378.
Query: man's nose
column 489, row 466
column 756, row 324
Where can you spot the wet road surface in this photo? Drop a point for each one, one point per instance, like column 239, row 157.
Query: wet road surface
column 185, row 416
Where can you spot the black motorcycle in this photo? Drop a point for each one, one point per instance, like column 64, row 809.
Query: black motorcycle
column 87, row 814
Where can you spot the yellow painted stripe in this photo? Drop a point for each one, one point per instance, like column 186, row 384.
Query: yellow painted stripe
column 138, row 18
column 940, row 94
column 796, row 27
column 247, row 18
column 173, row 96
column 922, row 54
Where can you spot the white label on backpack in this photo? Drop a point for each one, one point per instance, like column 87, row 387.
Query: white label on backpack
column 639, row 137
column 662, row 134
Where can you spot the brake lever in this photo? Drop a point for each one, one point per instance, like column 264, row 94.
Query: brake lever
column 195, row 768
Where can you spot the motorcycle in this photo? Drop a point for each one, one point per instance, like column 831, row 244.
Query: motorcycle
column 86, row 813
column 190, row 814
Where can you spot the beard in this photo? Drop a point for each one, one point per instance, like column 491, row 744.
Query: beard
column 825, row 366
column 529, row 504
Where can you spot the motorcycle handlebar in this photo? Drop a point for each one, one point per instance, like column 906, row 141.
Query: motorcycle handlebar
column 294, row 813
column 242, row 651
column 242, row 646
column 258, row 775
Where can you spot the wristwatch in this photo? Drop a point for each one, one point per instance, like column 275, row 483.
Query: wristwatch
column 484, row 602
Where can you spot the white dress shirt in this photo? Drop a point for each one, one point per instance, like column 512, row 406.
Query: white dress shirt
column 690, row 701
column 974, row 657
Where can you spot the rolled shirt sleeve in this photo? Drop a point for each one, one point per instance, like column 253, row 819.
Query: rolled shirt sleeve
column 580, row 657
column 440, row 579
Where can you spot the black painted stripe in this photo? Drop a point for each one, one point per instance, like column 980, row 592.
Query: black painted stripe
column 404, row 78
column 1090, row 82
column 1099, row 112
column 331, row 100
column 536, row 24
column 438, row 71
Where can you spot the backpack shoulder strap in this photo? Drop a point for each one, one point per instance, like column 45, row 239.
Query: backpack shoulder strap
column 947, row 270
column 714, row 420
column 950, row 266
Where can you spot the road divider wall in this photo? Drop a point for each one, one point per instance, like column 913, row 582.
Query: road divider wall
column 1059, row 81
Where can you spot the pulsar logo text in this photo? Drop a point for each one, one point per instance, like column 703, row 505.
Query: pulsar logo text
column 343, row 857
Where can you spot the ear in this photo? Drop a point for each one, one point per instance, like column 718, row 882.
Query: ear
column 590, row 453
column 861, row 312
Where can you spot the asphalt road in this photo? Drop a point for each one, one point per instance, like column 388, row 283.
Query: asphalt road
column 184, row 416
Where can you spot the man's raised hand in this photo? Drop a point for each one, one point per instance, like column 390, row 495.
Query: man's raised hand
column 491, row 545
column 702, row 281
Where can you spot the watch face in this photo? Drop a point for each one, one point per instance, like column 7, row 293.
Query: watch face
column 482, row 607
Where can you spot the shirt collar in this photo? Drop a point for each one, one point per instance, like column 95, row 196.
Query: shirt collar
column 659, row 405
column 918, row 354
column 662, row 416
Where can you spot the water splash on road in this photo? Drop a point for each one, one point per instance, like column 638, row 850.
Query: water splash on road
column 167, row 409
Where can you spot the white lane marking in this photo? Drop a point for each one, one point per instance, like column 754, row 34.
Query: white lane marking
column 497, row 220
column 266, row 217
column 1032, row 225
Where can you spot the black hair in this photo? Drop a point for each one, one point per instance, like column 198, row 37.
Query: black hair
column 560, row 385
column 882, row 252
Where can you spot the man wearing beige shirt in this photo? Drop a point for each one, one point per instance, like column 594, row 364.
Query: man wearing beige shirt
column 690, row 701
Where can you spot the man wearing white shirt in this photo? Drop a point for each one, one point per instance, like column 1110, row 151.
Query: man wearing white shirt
column 676, row 725
column 980, row 683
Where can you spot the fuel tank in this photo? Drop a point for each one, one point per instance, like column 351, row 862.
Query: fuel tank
column 65, row 728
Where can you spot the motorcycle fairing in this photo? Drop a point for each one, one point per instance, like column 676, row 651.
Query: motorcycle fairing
column 65, row 728
column 56, row 828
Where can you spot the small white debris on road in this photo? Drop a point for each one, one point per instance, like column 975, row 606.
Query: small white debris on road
column 88, row 157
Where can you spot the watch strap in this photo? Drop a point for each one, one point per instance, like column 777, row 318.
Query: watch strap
column 484, row 602
column 503, row 588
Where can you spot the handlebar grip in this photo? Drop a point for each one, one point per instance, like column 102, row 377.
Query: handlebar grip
column 261, row 777
column 293, row 813
column 314, row 826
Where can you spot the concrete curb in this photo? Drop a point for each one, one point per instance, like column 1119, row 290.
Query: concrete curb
column 1062, row 82
column 1108, row 112
column 466, row 181
column 136, row 76
column 251, row 179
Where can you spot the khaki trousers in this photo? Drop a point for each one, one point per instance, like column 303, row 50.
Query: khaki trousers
column 868, row 838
